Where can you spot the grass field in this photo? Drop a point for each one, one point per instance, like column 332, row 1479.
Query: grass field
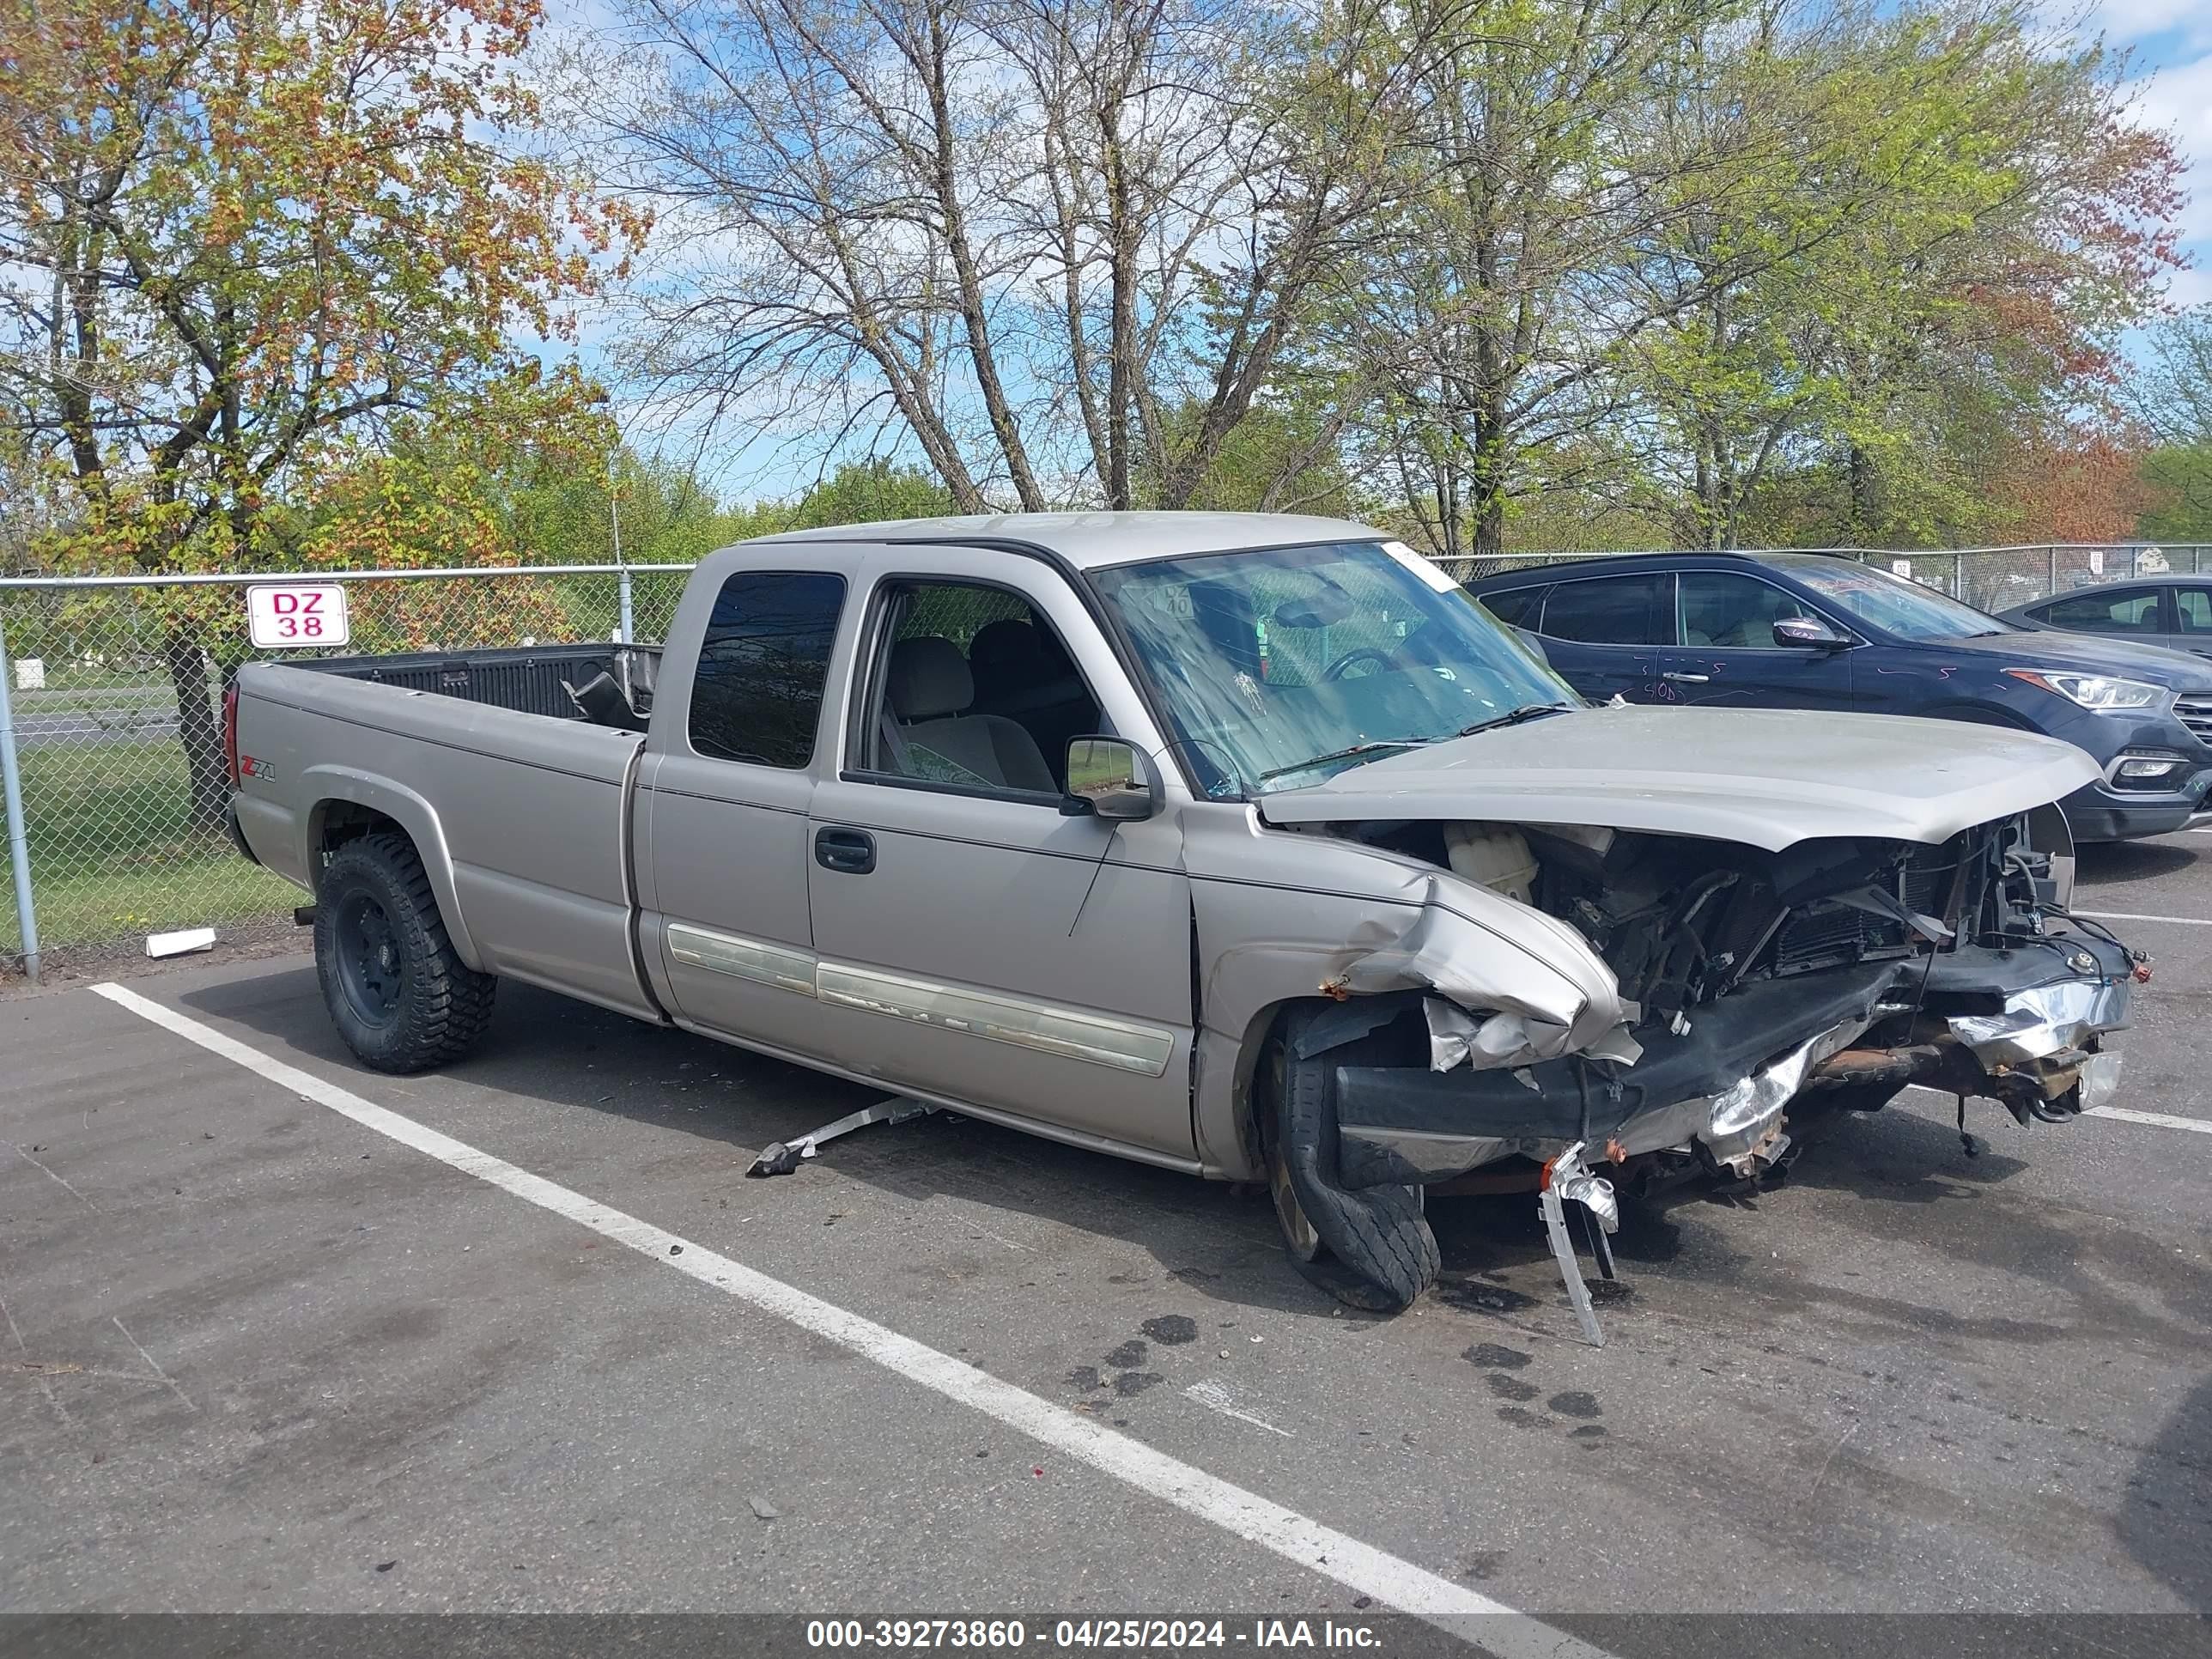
column 114, row 855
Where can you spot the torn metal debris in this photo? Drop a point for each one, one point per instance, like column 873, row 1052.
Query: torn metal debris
column 783, row 1157
column 1568, row 1179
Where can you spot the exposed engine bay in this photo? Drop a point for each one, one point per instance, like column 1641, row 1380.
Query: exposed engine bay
column 1834, row 972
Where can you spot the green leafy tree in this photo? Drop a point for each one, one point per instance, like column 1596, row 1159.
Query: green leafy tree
column 2175, row 402
column 1934, row 234
column 869, row 492
column 250, row 235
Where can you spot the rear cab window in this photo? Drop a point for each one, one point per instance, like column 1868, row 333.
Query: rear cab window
column 757, row 692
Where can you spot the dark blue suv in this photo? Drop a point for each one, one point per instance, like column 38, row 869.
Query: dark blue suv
column 1812, row 630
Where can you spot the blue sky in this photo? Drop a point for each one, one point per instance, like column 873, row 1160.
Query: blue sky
column 2168, row 44
column 2171, row 43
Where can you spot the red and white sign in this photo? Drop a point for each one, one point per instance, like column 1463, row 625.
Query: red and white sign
column 291, row 615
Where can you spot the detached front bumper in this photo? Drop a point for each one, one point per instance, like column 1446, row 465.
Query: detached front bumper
column 2020, row 1024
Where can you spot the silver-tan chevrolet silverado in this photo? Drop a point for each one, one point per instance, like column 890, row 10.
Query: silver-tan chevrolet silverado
column 1248, row 846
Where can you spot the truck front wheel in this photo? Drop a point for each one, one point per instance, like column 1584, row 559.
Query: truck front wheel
column 398, row 992
column 1371, row 1248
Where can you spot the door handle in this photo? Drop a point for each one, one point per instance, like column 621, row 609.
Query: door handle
column 853, row 851
column 1686, row 679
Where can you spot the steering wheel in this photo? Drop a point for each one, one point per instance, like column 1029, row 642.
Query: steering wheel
column 1358, row 652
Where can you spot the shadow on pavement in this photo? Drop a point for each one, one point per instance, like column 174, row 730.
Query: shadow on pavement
column 1220, row 1241
column 2166, row 1514
column 2116, row 863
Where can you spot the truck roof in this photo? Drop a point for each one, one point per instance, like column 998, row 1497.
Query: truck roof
column 1092, row 541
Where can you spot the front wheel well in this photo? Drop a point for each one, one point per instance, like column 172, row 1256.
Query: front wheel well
column 1267, row 1026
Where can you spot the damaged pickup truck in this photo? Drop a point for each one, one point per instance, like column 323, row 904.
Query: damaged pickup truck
column 1247, row 846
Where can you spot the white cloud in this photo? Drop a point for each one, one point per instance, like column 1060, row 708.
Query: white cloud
column 2192, row 288
column 2184, row 25
column 2178, row 98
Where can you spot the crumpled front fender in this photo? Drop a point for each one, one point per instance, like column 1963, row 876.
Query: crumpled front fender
column 2040, row 1021
column 1541, row 977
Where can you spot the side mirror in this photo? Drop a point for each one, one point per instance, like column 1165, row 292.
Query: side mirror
column 1807, row 633
column 1110, row 779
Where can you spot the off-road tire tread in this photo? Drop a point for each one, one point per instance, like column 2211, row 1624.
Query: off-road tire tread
column 448, row 1003
column 1378, row 1234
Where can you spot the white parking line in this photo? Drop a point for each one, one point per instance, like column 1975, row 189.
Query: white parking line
column 2156, row 1120
column 1307, row 1543
column 2123, row 1113
column 2130, row 915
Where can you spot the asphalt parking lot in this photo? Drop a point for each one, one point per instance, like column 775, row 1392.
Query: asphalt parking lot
column 264, row 1351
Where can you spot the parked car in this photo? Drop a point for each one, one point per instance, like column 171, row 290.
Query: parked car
column 1247, row 846
column 1819, row 631
column 2173, row 612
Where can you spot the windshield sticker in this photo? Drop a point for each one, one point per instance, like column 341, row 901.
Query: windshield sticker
column 1431, row 574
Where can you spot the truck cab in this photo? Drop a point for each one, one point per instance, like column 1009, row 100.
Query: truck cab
column 1249, row 847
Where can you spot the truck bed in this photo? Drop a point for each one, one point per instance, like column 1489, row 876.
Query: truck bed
column 517, row 802
column 527, row 679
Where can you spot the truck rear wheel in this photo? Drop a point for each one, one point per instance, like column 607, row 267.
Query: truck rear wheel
column 1371, row 1248
column 398, row 992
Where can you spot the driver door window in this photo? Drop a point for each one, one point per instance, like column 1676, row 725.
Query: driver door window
column 971, row 691
column 1728, row 652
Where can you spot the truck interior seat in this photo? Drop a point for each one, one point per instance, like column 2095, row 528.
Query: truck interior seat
column 930, row 690
column 1023, row 672
column 1225, row 615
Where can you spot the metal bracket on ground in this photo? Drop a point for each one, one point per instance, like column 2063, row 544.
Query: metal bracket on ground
column 1567, row 1176
column 784, row 1156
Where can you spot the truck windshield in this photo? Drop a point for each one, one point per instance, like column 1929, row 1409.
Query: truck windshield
column 1910, row 609
column 1281, row 666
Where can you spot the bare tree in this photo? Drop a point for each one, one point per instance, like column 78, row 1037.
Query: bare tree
column 1485, row 324
column 1060, row 245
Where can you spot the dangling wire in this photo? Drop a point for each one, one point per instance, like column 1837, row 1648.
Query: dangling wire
column 1111, row 833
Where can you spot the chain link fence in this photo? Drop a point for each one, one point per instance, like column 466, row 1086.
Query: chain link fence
column 114, row 694
column 115, row 697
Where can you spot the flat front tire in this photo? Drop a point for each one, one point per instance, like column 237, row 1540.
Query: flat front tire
column 1372, row 1248
column 396, row 990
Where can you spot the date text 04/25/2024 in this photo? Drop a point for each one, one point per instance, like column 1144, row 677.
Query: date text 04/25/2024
column 1008, row 1635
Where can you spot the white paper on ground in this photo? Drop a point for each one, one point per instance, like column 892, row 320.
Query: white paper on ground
column 181, row 944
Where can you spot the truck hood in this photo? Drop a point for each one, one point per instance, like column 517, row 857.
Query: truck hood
column 1769, row 778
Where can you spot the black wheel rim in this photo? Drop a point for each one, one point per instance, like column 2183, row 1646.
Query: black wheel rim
column 369, row 964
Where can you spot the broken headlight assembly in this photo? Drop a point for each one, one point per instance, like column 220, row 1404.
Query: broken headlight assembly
column 2100, row 692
